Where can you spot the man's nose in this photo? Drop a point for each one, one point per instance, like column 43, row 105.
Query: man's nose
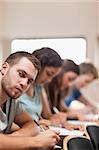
column 24, row 83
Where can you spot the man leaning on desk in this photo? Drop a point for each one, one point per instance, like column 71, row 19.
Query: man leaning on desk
column 16, row 75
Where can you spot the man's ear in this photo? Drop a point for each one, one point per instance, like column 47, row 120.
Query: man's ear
column 5, row 68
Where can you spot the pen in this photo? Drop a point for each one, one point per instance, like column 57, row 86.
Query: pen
column 39, row 116
column 55, row 110
column 56, row 146
column 39, row 125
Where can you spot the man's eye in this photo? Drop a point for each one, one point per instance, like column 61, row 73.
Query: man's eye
column 21, row 74
column 30, row 81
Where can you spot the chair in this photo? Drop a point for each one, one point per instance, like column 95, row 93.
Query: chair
column 92, row 131
column 77, row 143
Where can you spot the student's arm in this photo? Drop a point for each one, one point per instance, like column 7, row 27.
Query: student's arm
column 14, row 128
column 89, row 107
column 58, row 118
column 16, row 143
column 83, row 100
column 26, row 124
column 71, row 114
column 55, row 119
column 63, row 107
column 44, row 140
column 46, row 108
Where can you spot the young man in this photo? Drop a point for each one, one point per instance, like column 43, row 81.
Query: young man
column 16, row 75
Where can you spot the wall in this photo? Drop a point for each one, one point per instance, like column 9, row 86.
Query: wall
column 97, row 39
column 49, row 20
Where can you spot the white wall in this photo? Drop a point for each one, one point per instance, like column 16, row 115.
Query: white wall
column 49, row 20
column 1, row 23
column 97, row 40
column 98, row 17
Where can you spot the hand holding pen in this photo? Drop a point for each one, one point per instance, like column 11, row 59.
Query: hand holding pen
column 50, row 136
column 39, row 116
column 43, row 122
column 42, row 129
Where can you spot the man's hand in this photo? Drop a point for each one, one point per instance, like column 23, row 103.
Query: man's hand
column 47, row 139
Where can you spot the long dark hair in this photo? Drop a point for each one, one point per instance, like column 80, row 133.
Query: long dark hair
column 48, row 57
column 54, row 87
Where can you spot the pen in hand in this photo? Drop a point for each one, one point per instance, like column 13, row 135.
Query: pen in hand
column 56, row 146
column 42, row 129
column 55, row 110
column 39, row 116
column 44, row 121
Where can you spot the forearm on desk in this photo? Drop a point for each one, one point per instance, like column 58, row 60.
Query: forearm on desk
column 17, row 143
column 29, row 129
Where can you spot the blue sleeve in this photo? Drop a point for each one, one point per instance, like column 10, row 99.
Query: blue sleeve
column 74, row 95
column 68, row 100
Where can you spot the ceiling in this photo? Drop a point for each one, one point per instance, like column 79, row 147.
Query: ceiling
column 49, row 0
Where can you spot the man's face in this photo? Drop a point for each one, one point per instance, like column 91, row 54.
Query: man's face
column 83, row 80
column 18, row 78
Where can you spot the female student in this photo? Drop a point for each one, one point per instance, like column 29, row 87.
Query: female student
column 59, row 87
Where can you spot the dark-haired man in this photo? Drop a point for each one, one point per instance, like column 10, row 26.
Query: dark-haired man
column 16, row 75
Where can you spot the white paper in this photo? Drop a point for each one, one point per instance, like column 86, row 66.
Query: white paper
column 76, row 122
column 92, row 116
column 64, row 131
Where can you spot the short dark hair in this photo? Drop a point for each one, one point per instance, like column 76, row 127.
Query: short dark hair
column 48, row 57
column 15, row 57
column 88, row 68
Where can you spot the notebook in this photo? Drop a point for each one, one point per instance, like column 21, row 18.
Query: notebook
column 91, row 93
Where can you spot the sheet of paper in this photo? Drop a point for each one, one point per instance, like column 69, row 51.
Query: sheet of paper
column 64, row 131
column 93, row 116
column 76, row 122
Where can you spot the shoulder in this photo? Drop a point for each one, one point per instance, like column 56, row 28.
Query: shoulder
column 38, row 88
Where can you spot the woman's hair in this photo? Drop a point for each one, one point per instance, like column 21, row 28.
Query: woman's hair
column 69, row 65
column 88, row 68
column 54, row 87
column 48, row 57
